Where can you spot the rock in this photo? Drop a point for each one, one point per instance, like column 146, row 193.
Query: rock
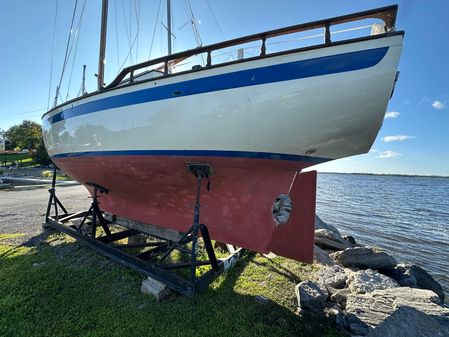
column 409, row 322
column 364, row 258
column 331, row 290
column 330, row 244
column 350, row 238
column 322, row 257
column 408, row 275
column 425, row 281
column 340, row 297
column 340, row 321
column 332, row 276
column 328, row 239
column 311, row 295
column 320, row 224
column 358, row 328
column 155, row 288
column 373, row 308
column 332, row 310
column 402, row 274
column 366, row 281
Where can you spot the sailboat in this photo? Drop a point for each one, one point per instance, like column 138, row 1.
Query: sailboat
column 255, row 122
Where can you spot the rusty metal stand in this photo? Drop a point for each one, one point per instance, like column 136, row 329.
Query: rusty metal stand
column 156, row 261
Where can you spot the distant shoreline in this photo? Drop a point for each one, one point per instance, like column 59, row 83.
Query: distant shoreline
column 389, row 175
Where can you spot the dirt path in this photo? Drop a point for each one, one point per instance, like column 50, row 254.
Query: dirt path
column 23, row 211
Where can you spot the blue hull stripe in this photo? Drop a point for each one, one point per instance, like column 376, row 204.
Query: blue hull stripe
column 282, row 72
column 197, row 153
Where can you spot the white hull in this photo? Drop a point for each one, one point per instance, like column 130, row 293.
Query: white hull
column 337, row 115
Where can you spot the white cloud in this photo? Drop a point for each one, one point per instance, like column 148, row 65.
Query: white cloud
column 398, row 138
column 388, row 154
column 392, row 114
column 438, row 105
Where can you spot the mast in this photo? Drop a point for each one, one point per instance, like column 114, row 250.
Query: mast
column 101, row 59
column 169, row 26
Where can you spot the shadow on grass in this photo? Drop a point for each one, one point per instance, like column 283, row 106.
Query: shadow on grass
column 53, row 286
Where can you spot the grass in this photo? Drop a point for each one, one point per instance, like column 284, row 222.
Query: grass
column 14, row 157
column 60, row 288
column 9, row 159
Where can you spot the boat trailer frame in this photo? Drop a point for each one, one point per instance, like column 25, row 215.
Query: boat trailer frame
column 155, row 261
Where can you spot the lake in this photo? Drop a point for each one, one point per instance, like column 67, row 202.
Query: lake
column 406, row 216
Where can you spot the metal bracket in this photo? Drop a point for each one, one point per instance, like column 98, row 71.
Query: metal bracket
column 152, row 259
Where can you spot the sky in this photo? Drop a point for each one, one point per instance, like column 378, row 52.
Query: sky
column 414, row 138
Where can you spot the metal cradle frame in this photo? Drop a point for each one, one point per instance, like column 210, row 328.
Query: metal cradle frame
column 154, row 262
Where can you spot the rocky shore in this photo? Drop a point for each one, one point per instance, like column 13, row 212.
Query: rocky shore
column 368, row 292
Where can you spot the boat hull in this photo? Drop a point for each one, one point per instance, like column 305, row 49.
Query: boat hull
column 236, row 209
column 257, row 123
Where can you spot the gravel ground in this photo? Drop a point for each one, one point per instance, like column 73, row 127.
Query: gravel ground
column 23, row 211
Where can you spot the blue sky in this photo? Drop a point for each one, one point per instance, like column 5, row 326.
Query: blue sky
column 414, row 140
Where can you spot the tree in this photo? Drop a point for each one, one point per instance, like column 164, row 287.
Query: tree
column 41, row 156
column 26, row 135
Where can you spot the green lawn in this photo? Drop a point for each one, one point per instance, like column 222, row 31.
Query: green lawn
column 24, row 158
column 61, row 288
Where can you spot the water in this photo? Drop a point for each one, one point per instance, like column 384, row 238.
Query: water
column 405, row 216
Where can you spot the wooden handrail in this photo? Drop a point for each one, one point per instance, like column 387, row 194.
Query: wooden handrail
column 386, row 14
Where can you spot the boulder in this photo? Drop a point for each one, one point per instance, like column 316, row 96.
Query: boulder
column 366, row 281
column 371, row 309
column 364, row 258
column 330, row 244
column 153, row 287
column 408, row 275
column 332, row 276
column 311, row 295
column 425, row 281
column 331, row 240
column 350, row 238
column 334, row 311
column 402, row 274
column 320, row 224
column 410, row 322
column 340, row 297
column 356, row 327
column 322, row 257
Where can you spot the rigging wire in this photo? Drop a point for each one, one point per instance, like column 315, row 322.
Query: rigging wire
column 128, row 36
column 52, row 53
column 77, row 34
column 20, row 114
column 215, row 19
column 130, row 50
column 130, row 28
column 154, row 29
column 116, row 34
column 196, row 32
column 66, row 52
column 137, row 13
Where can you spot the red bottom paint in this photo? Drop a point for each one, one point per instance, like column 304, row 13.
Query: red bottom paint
column 158, row 190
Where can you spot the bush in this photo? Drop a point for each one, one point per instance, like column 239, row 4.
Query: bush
column 47, row 174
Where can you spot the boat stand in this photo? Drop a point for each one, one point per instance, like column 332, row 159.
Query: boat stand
column 179, row 264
